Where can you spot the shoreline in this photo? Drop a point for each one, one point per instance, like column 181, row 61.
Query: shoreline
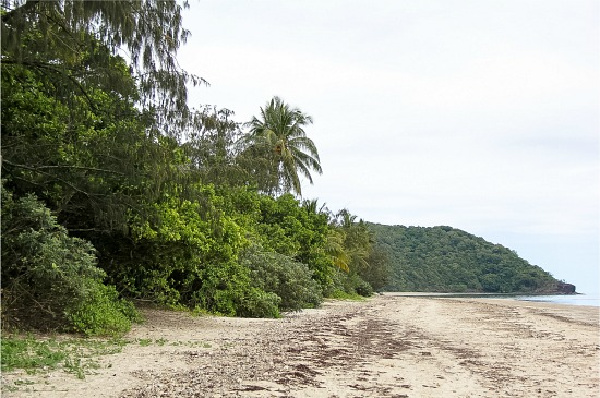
column 575, row 299
column 382, row 347
column 472, row 294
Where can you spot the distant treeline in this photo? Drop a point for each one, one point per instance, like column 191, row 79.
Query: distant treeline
column 445, row 259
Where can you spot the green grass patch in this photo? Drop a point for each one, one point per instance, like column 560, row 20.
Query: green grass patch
column 201, row 344
column 77, row 356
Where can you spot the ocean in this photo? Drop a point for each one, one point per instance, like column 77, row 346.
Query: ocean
column 572, row 299
column 592, row 299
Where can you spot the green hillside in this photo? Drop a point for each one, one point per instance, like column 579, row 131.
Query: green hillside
column 446, row 259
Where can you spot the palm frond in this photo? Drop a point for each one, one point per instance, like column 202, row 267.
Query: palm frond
column 279, row 136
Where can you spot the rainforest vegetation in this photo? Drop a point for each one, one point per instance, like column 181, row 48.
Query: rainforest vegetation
column 116, row 190
column 445, row 259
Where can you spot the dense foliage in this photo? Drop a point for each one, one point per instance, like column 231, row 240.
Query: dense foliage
column 115, row 188
column 445, row 259
column 351, row 245
column 50, row 279
column 290, row 280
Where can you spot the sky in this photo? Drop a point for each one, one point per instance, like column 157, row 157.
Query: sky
column 479, row 115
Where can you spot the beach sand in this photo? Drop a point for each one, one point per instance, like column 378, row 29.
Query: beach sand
column 384, row 347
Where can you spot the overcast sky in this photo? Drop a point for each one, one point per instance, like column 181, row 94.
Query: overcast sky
column 480, row 115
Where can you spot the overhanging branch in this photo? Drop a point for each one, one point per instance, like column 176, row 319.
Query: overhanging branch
column 40, row 168
column 52, row 68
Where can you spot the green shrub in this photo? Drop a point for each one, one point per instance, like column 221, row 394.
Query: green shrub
column 50, row 280
column 184, row 255
column 364, row 289
column 342, row 295
column 102, row 313
column 223, row 288
column 350, row 283
column 259, row 304
column 290, row 280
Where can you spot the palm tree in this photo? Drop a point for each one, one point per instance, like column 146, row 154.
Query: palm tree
column 279, row 138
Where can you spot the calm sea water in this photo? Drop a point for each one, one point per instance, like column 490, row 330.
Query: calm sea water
column 592, row 299
column 573, row 299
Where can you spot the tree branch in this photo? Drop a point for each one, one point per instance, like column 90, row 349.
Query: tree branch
column 39, row 168
column 53, row 68
column 4, row 161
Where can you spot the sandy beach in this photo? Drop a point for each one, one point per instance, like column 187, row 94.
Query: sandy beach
column 384, row 347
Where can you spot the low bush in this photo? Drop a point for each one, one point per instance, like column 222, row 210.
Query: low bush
column 279, row 274
column 364, row 289
column 50, row 280
column 342, row 295
column 102, row 313
column 259, row 304
column 349, row 283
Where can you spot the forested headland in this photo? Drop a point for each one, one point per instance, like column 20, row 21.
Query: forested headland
column 445, row 259
column 116, row 190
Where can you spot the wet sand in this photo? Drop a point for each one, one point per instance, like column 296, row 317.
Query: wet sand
column 384, row 347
